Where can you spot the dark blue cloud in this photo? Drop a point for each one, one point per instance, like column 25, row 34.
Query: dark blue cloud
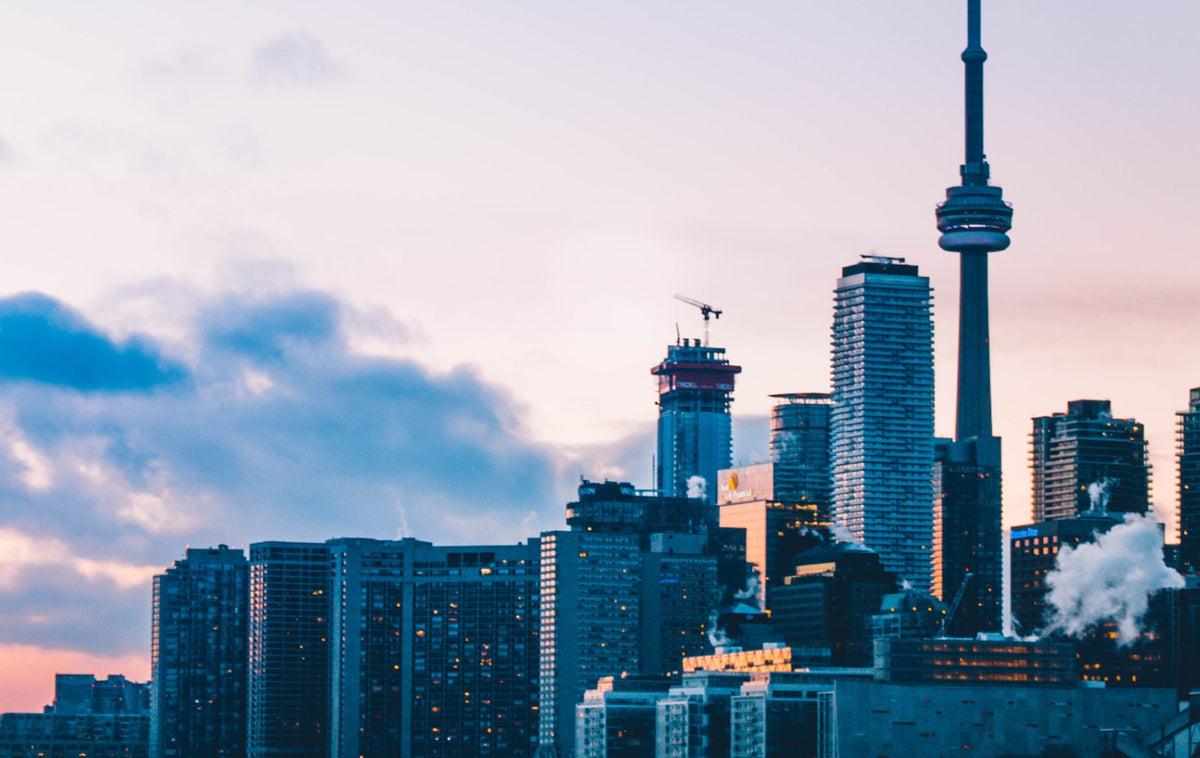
column 274, row 429
column 43, row 341
column 267, row 329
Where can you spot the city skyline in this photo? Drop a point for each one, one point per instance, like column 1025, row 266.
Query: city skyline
column 521, row 191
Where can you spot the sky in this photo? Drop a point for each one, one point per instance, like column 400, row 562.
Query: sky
column 298, row 271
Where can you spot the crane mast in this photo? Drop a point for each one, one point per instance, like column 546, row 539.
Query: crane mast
column 706, row 311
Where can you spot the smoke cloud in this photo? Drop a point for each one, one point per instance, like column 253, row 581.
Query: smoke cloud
column 697, row 487
column 1110, row 579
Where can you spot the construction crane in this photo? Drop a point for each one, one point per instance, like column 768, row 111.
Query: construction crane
column 958, row 596
column 706, row 310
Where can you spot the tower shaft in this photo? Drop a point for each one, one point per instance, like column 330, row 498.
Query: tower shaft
column 974, row 402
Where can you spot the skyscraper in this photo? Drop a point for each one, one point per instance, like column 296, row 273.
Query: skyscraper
column 373, row 648
column 198, row 656
column 974, row 221
column 1085, row 462
column 434, row 649
column 628, row 590
column 288, row 692
column 695, row 436
column 800, row 449
column 881, row 423
column 1188, row 454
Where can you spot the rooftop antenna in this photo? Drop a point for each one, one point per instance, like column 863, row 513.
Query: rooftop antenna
column 706, row 310
column 678, row 337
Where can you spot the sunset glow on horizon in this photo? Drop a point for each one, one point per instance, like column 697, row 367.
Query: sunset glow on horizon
column 402, row 270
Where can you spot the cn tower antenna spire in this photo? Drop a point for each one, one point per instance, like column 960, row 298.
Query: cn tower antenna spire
column 975, row 170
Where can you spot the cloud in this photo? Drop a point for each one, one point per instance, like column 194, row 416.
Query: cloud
column 295, row 58
column 269, row 425
column 6, row 152
column 41, row 340
column 114, row 458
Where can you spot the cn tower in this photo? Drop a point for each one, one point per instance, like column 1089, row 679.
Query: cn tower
column 974, row 221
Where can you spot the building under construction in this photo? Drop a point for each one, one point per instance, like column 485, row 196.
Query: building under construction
column 695, row 432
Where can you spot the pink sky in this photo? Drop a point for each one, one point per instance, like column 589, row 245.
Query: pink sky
column 521, row 188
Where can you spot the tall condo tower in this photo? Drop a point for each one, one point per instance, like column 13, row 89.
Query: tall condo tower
column 198, row 655
column 1188, row 453
column 695, row 437
column 974, row 221
column 1087, row 463
column 881, row 423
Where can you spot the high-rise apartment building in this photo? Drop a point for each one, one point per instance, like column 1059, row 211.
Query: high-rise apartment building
column 289, row 626
column 881, row 422
column 1188, row 456
column 374, row 648
column 1085, row 462
column 695, row 434
column 198, row 656
column 434, row 649
column 800, row 449
column 590, row 603
column 628, row 590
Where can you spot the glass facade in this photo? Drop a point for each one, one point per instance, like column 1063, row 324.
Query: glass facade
column 695, row 438
column 394, row 647
column 881, row 422
column 288, row 710
column 968, row 537
column 775, row 534
column 800, row 449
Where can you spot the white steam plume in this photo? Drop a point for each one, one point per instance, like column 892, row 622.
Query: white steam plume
column 752, row 592
column 841, row 534
column 717, row 636
column 1098, row 495
column 697, row 487
column 1110, row 579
